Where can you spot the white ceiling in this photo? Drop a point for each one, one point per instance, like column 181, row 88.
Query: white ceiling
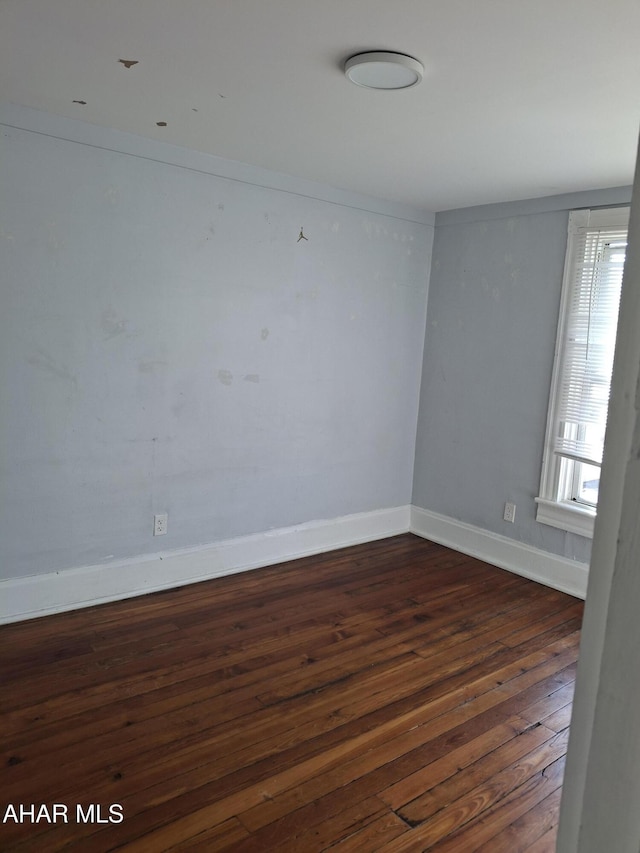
column 521, row 98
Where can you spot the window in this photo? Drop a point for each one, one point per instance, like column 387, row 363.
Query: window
column 577, row 416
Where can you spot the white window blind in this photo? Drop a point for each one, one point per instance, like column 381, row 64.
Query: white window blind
column 588, row 340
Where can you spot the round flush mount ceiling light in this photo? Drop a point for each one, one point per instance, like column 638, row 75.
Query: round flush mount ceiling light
column 384, row 70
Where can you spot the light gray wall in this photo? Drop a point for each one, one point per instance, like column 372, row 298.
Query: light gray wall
column 167, row 345
column 494, row 297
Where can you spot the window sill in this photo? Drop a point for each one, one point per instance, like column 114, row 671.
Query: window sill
column 567, row 516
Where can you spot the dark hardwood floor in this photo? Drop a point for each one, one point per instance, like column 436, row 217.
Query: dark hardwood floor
column 394, row 696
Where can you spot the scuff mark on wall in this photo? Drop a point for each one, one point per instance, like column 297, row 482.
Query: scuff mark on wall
column 225, row 376
column 264, row 334
column 112, row 326
column 252, row 377
column 44, row 361
column 150, row 366
column 54, row 241
column 112, row 194
column 180, row 405
column 372, row 229
column 202, row 242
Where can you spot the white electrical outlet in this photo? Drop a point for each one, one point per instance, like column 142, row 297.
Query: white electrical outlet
column 160, row 523
column 509, row 512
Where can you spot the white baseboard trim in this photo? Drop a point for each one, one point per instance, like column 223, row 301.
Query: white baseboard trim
column 55, row 592
column 558, row 572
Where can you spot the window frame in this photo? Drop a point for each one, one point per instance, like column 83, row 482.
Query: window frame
column 552, row 509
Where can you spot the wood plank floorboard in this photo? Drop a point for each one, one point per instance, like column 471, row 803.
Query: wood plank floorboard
column 393, row 696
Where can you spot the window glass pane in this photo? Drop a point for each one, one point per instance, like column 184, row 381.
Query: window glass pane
column 588, row 483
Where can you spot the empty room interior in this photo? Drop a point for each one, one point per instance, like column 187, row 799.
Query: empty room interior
column 308, row 335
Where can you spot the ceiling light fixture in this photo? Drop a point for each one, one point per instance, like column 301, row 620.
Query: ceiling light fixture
column 384, row 70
